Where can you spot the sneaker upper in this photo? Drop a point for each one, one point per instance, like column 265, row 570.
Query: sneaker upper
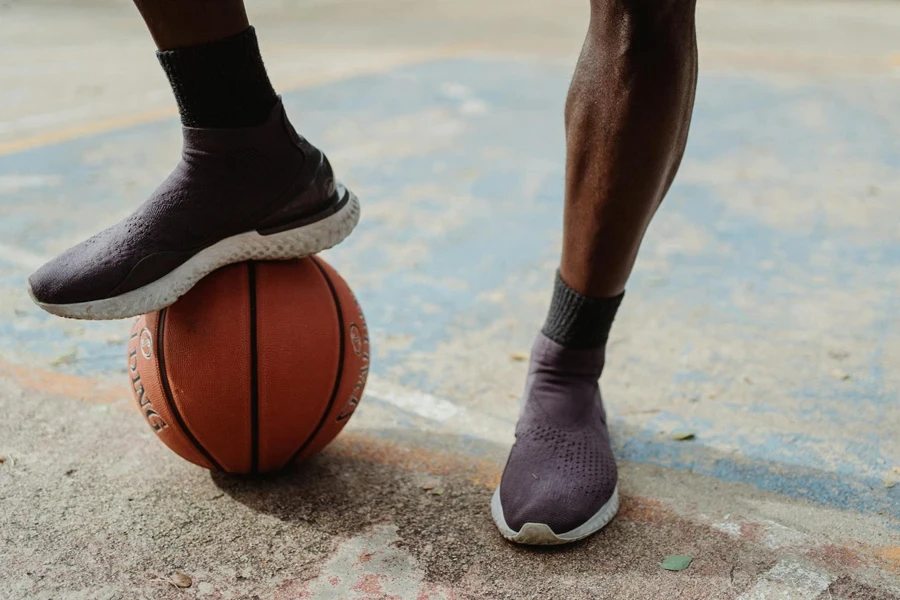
column 228, row 181
column 561, row 469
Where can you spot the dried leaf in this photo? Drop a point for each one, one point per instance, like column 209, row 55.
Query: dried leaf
column 438, row 492
column 676, row 562
column 518, row 357
column 838, row 374
column 682, row 436
column 65, row 359
column 181, row 580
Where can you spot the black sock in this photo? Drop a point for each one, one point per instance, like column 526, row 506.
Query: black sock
column 222, row 84
column 576, row 321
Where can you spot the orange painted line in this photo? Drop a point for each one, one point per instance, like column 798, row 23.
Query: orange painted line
column 63, row 384
column 360, row 446
column 77, row 131
column 891, row 555
column 152, row 116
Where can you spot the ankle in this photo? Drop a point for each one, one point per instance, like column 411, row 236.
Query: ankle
column 222, row 84
column 577, row 322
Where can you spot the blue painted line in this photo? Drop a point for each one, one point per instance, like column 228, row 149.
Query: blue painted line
column 506, row 162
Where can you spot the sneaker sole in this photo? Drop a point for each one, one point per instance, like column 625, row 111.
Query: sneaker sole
column 294, row 243
column 539, row 534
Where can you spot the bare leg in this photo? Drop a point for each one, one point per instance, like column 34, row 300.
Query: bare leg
column 627, row 120
column 180, row 23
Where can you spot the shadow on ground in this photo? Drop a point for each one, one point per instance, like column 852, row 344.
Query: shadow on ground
column 439, row 503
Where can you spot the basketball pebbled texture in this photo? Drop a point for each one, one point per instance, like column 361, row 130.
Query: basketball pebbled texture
column 259, row 365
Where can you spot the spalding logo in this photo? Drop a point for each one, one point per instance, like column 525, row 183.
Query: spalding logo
column 146, row 343
column 359, row 340
column 140, row 394
column 356, row 339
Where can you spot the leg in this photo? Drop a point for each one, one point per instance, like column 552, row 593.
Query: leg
column 179, row 23
column 247, row 186
column 627, row 120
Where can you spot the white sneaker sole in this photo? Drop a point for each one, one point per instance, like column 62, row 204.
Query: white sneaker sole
column 294, row 243
column 539, row 534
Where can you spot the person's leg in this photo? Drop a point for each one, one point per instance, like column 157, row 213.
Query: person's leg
column 181, row 23
column 627, row 120
column 247, row 186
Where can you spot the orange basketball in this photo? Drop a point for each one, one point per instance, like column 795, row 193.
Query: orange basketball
column 260, row 364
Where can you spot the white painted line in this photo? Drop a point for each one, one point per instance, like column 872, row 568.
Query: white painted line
column 446, row 415
column 414, row 401
column 10, row 184
column 790, row 580
column 20, row 258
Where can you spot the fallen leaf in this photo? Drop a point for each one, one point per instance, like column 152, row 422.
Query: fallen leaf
column 65, row 359
column 676, row 562
column 518, row 356
column 889, row 483
column 838, row 374
column 437, row 492
column 682, row 436
column 181, row 580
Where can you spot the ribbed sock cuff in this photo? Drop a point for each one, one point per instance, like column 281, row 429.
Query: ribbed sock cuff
column 576, row 321
column 222, row 84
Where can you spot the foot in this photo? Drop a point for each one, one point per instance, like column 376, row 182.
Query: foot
column 255, row 193
column 560, row 481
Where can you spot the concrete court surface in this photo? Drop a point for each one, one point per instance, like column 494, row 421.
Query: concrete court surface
column 762, row 316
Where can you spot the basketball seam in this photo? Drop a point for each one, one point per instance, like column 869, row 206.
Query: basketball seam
column 170, row 399
column 340, row 369
column 254, row 373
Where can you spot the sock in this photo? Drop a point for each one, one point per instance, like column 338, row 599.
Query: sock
column 579, row 322
column 220, row 85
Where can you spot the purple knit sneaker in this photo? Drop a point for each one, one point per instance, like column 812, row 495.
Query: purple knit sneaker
column 560, row 480
column 256, row 193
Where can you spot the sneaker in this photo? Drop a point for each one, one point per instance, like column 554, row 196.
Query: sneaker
column 560, row 482
column 257, row 193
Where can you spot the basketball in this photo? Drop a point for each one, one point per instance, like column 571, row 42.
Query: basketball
column 261, row 364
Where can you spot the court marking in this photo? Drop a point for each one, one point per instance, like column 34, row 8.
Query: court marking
column 160, row 114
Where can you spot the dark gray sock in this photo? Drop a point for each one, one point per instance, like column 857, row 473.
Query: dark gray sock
column 220, row 85
column 579, row 322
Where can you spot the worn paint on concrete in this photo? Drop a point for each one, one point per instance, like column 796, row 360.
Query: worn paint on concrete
column 761, row 317
column 461, row 235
